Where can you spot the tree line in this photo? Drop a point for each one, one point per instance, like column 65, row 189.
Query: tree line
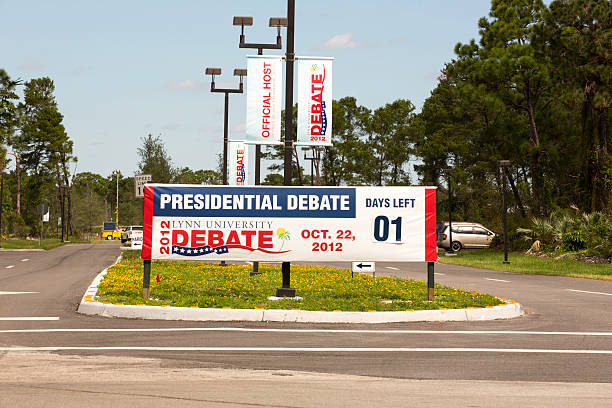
column 534, row 89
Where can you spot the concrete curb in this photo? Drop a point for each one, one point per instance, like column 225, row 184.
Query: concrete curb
column 89, row 306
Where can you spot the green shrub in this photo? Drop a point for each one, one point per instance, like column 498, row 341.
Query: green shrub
column 573, row 241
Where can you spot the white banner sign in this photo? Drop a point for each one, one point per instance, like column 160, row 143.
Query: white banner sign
column 190, row 222
column 314, row 122
column 264, row 94
column 237, row 162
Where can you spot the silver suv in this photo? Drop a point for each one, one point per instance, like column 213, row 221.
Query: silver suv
column 465, row 235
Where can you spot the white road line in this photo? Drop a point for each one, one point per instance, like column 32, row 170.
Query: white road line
column 315, row 349
column 25, row 260
column 16, row 293
column 10, row 266
column 438, row 273
column 392, row 268
column 497, row 280
column 309, row 331
column 586, row 291
column 29, row 318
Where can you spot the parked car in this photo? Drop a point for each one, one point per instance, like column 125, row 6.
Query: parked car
column 127, row 233
column 465, row 235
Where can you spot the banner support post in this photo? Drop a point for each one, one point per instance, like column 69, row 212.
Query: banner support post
column 146, row 278
column 430, row 281
column 286, row 290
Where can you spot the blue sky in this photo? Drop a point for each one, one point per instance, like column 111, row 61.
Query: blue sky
column 123, row 69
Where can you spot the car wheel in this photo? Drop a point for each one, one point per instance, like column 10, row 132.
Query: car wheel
column 109, row 237
column 456, row 246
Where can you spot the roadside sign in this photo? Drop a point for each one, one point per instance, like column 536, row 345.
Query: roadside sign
column 136, row 240
column 45, row 217
column 363, row 266
column 139, row 182
column 253, row 223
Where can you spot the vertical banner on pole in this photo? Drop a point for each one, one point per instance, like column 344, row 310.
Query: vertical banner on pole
column 263, row 95
column 314, row 122
column 238, row 163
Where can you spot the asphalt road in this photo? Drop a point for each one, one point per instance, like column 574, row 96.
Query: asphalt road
column 558, row 354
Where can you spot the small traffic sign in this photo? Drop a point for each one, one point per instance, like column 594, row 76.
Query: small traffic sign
column 139, row 182
column 364, row 266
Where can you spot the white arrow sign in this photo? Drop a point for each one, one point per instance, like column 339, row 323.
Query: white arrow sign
column 364, row 266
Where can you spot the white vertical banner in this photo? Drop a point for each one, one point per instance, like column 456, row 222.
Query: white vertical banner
column 314, row 121
column 263, row 94
column 237, row 163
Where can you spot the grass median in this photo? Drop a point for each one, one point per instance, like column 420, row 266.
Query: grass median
column 47, row 243
column 198, row 284
column 521, row 263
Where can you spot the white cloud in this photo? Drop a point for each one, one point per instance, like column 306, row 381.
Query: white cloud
column 30, row 65
column 338, row 42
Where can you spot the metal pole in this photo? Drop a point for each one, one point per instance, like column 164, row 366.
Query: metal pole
column 312, row 169
column 450, row 217
column 225, row 139
column 225, row 120
column 255, row 270
column 430, row 281
column 505, row 211
column 1, row 195
column 286, row 290
column 146, row 278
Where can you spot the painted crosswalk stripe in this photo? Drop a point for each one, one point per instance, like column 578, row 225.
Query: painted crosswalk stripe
column 593, row 293
column 28, row 318
column 16, row 293
column 497, row 280
column 438, row 273
column 25, row 260
column 392, row 268
column 10, row 266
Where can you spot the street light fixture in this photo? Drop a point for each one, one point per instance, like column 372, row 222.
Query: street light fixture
column 237, row 72
column 504, row 165
column 277, row 22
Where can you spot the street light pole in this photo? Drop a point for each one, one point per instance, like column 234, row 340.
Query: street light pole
column 277, row 22
column 450, row 251
column 1, row 195
column 504, row 164
column 286, row 290
column 237, row 72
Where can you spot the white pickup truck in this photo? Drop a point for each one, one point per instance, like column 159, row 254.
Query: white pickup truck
column 127, row 233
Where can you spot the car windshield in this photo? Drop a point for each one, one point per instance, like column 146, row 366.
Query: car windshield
column 137, row 228
column 440, row 226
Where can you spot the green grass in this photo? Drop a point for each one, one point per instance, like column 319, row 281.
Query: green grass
column 185, row 283
column 520, row 263
column 47, row 243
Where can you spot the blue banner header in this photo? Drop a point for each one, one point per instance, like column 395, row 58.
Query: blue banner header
column 219, row 201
